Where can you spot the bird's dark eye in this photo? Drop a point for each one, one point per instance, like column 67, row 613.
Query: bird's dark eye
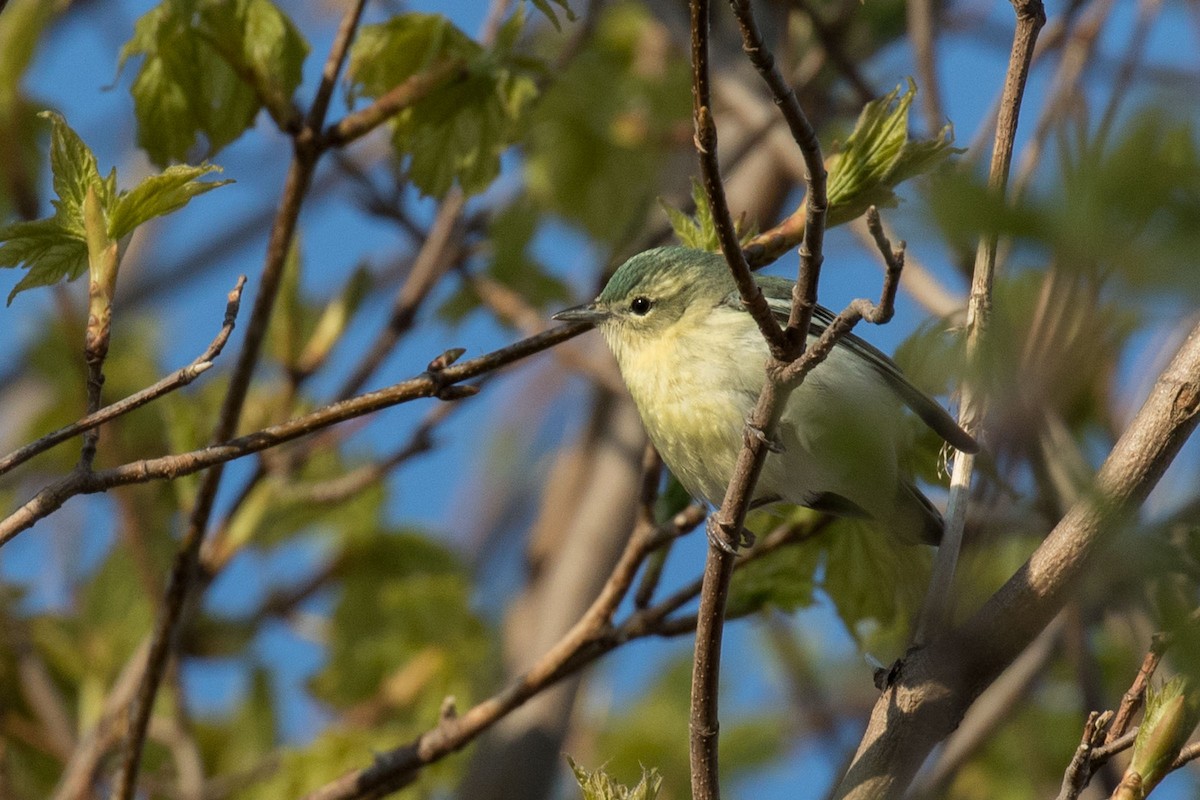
column 640, row 306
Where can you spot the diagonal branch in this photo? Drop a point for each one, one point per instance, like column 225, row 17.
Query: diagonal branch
column 176, row 380
column 936, row 685
column 439, row 383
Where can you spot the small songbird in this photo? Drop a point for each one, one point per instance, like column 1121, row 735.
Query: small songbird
column 693, row 359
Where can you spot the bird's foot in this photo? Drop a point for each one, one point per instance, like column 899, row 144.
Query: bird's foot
column 773, row 443
column 717, row 539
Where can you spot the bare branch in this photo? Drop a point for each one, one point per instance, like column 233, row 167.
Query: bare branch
column 395, row 100
column 307, row 150
column 922, row 32
column 442, row 385
column 176, row 380
column 939, row 599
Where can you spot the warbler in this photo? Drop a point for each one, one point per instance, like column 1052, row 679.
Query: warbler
column 693, row 360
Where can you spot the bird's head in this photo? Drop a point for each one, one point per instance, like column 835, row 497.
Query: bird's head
column 652, row 292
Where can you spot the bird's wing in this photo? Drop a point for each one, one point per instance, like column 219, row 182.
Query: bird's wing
column 778, row 292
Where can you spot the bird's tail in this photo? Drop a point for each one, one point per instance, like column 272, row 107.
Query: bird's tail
column 917, row 520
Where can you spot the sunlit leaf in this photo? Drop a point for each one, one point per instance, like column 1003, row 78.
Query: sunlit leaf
column 598, row 785
column 208, row 67
column 456, row 134
column 158, row 195
column 879, row 155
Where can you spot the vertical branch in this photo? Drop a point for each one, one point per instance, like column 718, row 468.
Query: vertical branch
column 725, row 527
column 710, row 170
column 103, row 258
column 184, row 569
column 816, row 202
column 923, row 34
column 935, row 613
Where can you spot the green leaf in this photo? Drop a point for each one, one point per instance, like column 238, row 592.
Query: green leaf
column 606, row 128
column 699, row 231
column 1171, row 715
column 208, row 67
column 404, row 620
column 73, row 166
column 1126, row 211
column 878, row 156
column 456, row 134
column 262, row 46
column 876, row 583
column 597, row 785
column 547, row 8
column 55, row 248
column 50, row 253
column 159, row 195
column 785, row 579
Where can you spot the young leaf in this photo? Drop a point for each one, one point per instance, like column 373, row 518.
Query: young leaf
column 699, row 231
column 878, row 156
column 48, row 251
column 208, row 67
column 456, row 134
column 159, row 195
column 597, row 785
column 56, row 248
column 262, row 46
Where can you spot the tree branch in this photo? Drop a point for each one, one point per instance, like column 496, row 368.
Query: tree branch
column 441, row 384
column 307, row 150
column 176, row 380
column 725, row 531
column 939, row 599
column 934, row 687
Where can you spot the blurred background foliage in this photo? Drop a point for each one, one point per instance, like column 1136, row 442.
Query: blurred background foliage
column 356, row 579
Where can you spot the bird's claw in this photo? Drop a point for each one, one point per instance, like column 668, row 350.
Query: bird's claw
column 716, row 538
column 772, row 442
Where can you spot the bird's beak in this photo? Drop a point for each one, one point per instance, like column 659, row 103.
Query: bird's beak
column 588, row 313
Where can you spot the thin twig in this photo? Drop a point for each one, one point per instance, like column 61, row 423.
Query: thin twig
column 706, row 148
column 591, row 638
column 396, row 99
column 922, row 32
column 441, row 384
column 935, row 683
column 307, row 150
column 176, row 380
column 1132, row 700
column 1147, row 11
column 939, row 599
column 438, row 253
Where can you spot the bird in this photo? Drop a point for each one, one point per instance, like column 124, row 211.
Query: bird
column 694, row 360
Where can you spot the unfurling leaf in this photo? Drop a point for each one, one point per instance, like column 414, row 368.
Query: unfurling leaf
column 159, row 195
column 57, row 248
column 698, row 231
column 879, row 155
column 1171, row 716
column 597, row 785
